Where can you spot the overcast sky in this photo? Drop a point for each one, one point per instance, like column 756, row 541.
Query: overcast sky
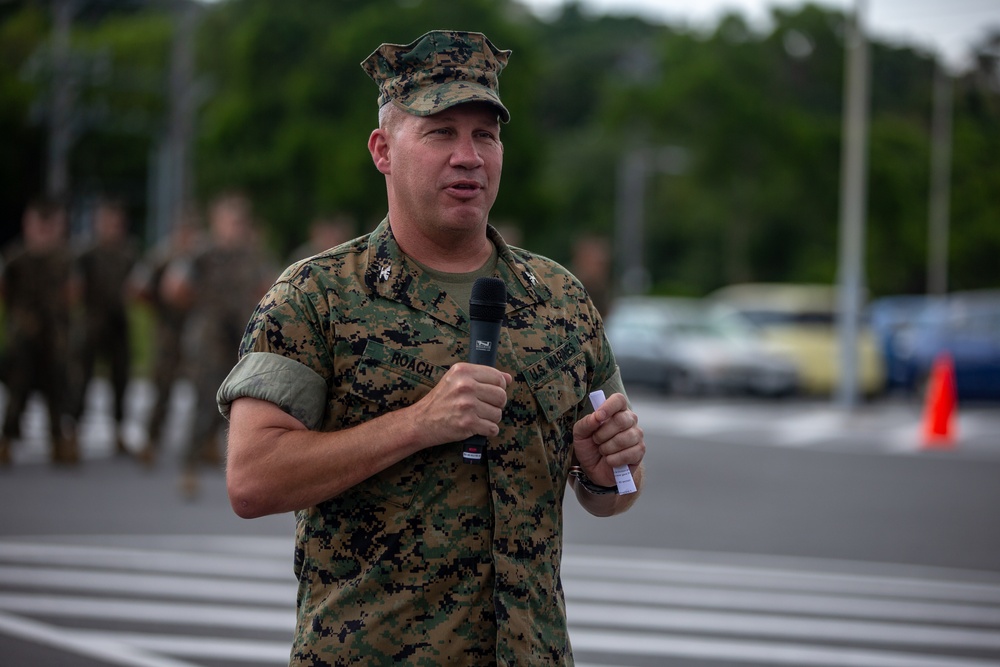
column 946, row 27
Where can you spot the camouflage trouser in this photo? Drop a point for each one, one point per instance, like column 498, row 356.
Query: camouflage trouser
column 167, row 369
column 107, row 339
column 36, row 364
column 211, row 348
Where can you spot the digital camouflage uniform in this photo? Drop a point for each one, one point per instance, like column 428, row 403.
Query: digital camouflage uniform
column 104, row 272
column 432, row 561
column 439, row 69
column 168, row 360
column 228, row 281
column 36, row 289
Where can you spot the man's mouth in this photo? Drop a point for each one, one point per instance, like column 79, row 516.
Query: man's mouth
column 465, row 185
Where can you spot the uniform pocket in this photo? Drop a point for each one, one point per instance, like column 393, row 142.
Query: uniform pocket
column 385, row 380
column 559, row 380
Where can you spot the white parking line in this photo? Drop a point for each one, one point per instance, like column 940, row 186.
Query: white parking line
column 656, row 604
column 767, row 653
column 113, row 653
column 774, row 626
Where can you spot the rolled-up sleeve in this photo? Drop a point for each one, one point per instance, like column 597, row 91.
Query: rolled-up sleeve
column 292, row 386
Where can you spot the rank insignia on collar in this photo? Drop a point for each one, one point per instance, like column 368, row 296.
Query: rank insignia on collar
column 383, row 273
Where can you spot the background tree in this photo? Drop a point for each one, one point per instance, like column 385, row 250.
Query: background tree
column 292, row 108
column 756, row 111
column 22, row 30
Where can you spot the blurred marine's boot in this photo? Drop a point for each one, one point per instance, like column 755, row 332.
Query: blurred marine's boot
column 65, row 451
column 121, row 449
column 210, row 452
column 73, row 448
column 147, row 455
column 4, row 452
column 189, row 483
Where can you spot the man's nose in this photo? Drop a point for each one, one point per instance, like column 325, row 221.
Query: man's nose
column 466, row 153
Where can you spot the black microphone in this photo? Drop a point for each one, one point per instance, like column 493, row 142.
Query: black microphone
column 487, row 306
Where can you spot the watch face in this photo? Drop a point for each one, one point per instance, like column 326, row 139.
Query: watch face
column 584, row 481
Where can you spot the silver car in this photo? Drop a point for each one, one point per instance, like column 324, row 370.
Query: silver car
column 685, row 346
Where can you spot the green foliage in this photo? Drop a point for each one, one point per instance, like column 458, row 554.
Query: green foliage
column 291, row 108
column 758, row 114
column 975, row 182
column 23, row 153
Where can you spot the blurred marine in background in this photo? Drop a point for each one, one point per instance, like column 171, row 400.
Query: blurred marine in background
column 218, row 285
column 37, row 286
column 104, row 271
column 170, row 317
column 325, row 232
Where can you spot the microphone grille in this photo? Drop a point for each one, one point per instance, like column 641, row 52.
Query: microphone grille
column 488, row 300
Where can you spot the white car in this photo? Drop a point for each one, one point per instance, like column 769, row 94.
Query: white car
column 801, row 320
column 684, row 346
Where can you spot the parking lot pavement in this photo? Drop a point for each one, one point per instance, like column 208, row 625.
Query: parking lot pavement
column 756, row 556
column 96, row 430
column 888, row 426
column 177, row 601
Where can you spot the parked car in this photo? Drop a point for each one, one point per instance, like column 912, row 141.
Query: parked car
column 801, row 320
column 892, row 318
column 684, row 346
column 966, row 327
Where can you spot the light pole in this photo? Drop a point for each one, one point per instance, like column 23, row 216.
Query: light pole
column 633, row 172
column 940, row 191
column 62, row 120
column 172, row 175
column 853, row 191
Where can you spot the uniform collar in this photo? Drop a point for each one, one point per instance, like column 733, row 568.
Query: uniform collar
column 393, row 275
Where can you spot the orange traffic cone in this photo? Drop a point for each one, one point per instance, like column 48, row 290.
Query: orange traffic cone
column 940, row 405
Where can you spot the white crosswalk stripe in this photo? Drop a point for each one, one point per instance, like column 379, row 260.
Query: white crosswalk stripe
column 161, row 601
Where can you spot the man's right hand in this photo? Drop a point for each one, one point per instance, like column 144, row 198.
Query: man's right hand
column 468, row 400
column 275, row 464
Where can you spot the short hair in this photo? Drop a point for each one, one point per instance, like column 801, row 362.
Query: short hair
column 111, row 202
column 387, row 115
column 46, row 207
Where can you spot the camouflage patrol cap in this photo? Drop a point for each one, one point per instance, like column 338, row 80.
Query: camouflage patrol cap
column 437, row 71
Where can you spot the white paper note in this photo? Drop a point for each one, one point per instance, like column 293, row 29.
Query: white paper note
column 623, row 476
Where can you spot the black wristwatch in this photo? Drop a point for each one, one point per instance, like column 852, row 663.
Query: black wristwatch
column 584, row 481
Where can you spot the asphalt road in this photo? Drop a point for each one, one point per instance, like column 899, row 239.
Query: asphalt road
column 768, row 533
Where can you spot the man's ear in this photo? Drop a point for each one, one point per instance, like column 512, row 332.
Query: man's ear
column 379, row 149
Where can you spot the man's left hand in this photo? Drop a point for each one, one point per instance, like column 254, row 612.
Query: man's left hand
column 607, row 438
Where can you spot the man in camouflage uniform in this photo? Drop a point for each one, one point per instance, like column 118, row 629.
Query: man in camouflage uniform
column 38, row 293
column 352, row 398
column 104, row 270
column 325, row 232
column 220, row 283
column 170, row 318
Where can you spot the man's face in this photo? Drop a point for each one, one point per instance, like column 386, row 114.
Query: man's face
column 109, row 224
column 230, row 222
column 43, row 231
column 444, row 169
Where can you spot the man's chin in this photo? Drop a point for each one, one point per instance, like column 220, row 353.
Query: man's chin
column 466, row 219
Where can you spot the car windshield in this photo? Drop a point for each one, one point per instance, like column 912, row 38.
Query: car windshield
column 733, row 325
column 695, row 329
column 960, row 315
column 766, row 318
column 674, row 320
